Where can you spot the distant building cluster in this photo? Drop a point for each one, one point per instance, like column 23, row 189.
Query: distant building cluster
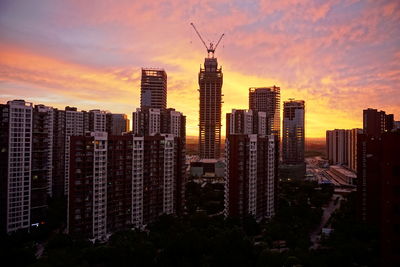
column 113, row 178
column 369, row 159
column 378, row 185
column 35, row 156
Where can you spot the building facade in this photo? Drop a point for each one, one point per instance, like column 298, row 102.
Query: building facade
column 153, row 88
column 210, row 88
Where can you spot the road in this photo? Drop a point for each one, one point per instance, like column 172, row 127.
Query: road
column 328, row 211
column 322, row 176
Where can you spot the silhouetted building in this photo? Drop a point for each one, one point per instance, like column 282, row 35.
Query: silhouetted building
column 293, row 132
column 376, row 122
column 267, row 99
column 119, row 182
column 210, row 83
column 58, row 181
column 379, row 190
column 15, row 165
column 153, row 89
column 42, row 162
column 251, row 173
column 87, row 199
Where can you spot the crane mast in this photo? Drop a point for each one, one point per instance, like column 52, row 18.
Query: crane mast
column 211, row 48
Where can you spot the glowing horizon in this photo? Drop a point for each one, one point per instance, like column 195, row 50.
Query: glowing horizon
column 340, row 56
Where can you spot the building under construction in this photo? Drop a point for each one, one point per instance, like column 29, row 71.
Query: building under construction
column 153, row 88
column 210, row 83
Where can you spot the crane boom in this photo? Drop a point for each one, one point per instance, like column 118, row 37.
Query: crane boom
column 198, row 34
column 220, row 38
column 210, row 49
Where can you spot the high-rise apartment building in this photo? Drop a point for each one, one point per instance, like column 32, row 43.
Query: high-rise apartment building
column 210, row 88
column 352, row 137
column 117, row 182
column 87, row 192
column 241, row 121
column 58, row 183
column 293, row 132
column 152, row 121
column 378, row 190
column 267, row 99
column 251, row 174
column 341, row 146
column 35, row 158
column 74, row 126
column 167, row 122
column 97, row 121
column 42, row 162
column 155, row 179
column 117, row 124
column 153, row 89
column 337, row 146
column 15, row 165
column 376, row 122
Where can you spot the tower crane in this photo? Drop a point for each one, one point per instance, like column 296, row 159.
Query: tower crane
column 211, row 48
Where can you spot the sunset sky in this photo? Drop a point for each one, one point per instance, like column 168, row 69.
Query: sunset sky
column 338, row 56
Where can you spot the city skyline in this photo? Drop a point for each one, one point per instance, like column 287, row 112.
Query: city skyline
column 339, row 56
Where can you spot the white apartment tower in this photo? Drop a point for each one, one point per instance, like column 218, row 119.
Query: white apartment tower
column 15, row 166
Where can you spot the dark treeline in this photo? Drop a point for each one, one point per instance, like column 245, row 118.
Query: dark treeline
column 197, row 239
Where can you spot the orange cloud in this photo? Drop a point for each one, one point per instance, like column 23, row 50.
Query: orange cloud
column 339, row 56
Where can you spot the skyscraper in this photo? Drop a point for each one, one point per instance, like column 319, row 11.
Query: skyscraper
column 210, row 83
column 153, row 89
column 293, row 132
column 267, row 99
column 250, row 174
